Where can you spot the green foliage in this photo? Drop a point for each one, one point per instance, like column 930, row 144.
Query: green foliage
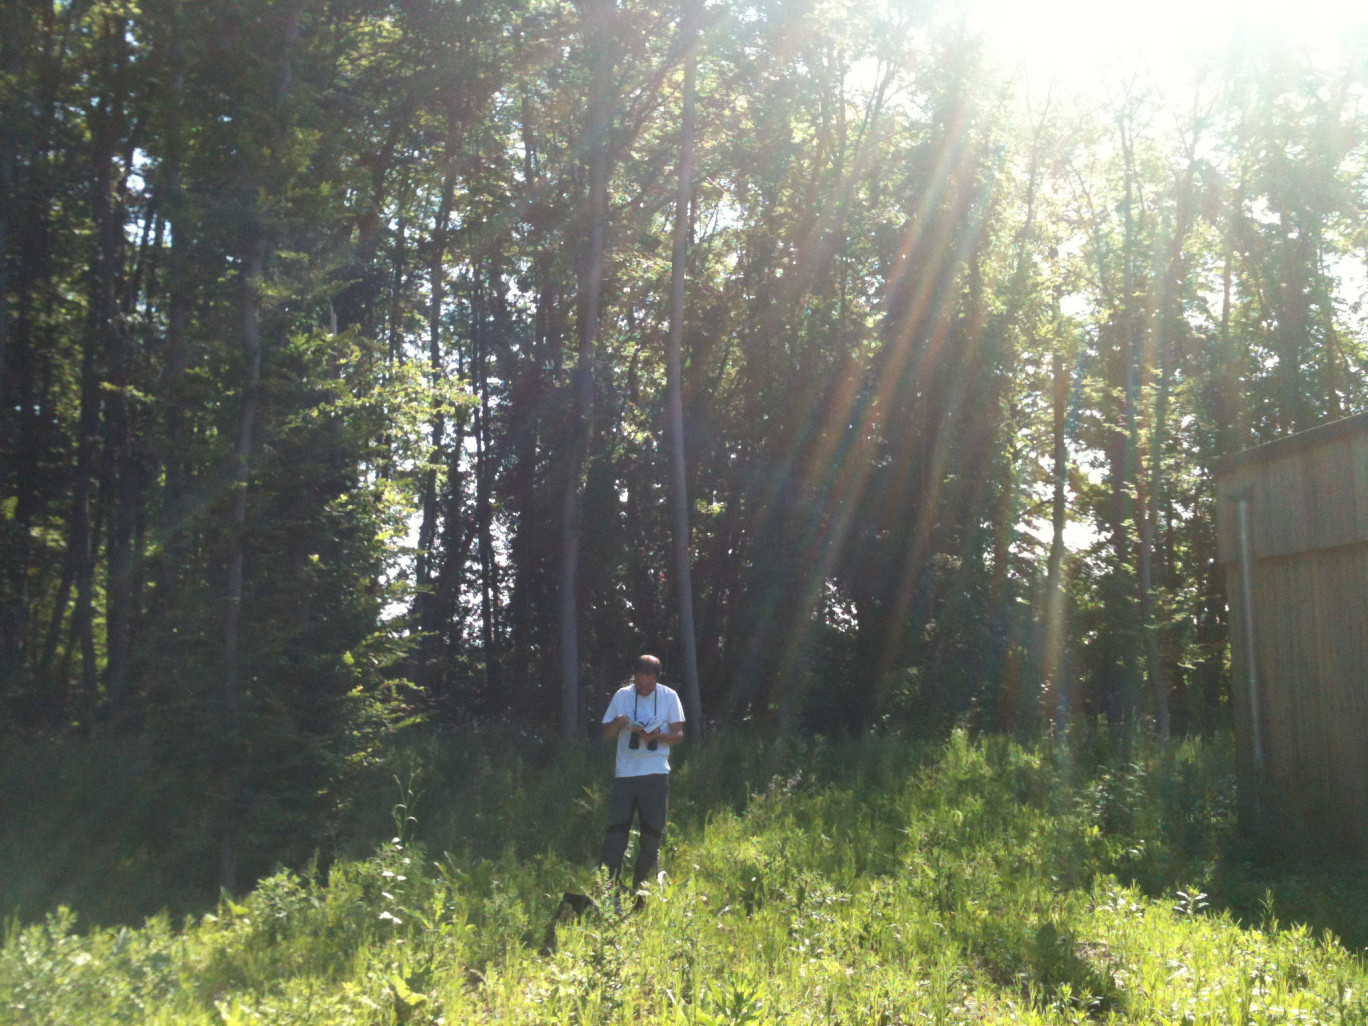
column 871, row 881
column 291, row 299
column 284, row 285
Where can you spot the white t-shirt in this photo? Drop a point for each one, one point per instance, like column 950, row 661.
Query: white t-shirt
column 658, row 709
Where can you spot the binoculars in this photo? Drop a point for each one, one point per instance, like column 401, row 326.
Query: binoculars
column 634, row 742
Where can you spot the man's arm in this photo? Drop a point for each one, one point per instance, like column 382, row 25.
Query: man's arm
column 614, row 727
column 671, row 735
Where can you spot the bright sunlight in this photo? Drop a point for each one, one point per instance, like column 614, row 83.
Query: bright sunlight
column 1077, row 44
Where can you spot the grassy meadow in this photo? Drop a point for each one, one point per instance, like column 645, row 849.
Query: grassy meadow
column 873, row 881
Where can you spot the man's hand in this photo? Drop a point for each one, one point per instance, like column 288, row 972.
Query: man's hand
column 670, row 734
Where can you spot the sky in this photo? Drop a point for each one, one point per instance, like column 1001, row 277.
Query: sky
column 1075, row 44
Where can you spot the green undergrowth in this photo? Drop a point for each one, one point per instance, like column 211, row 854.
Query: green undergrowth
column 874, row 881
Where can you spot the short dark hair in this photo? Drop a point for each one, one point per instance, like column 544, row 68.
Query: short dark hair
column 648, row 664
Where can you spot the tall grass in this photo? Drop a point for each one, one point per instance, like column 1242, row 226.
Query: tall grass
column 875, row 880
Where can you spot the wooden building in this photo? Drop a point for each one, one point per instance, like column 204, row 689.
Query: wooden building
column 1292, row 522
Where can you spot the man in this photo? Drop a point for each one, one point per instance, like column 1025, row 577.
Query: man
column 646, row 718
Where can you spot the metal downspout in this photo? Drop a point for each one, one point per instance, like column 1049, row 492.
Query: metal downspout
column 1242, row 504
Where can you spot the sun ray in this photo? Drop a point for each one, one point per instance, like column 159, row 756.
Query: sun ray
column 938, row 255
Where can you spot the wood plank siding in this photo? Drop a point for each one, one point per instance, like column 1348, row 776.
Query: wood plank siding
column 1301, row 688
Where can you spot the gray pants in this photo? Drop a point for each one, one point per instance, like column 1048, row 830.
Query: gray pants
column 648, row 797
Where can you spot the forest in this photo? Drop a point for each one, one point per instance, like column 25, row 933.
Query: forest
column 370, row 366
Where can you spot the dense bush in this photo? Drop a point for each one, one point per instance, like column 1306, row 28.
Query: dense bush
column 869, row 881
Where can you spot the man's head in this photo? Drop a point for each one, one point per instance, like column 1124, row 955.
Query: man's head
column 646, row 672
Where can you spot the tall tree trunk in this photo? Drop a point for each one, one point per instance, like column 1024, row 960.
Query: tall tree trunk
column 457, row 530
column 176, row 471
column 1168, row 321
column 1122, row 665
column 1149, row 502
column 82, row 533
column 427, row 527
column 679, row 493
column 230, row 694
column 1053, row 677
column 1295, row 412
column 16, row 376
column 12, row 40
column 32, row 353
column 254, row 251
column 102, row 343
column 484, row 512
column 524, row 418
column 526, row 406
column 119, row 475
column 597, row 27
column 1004, row 509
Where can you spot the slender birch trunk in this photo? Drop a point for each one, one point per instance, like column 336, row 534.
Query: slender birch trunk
column 679, row 495
column 597, row 18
